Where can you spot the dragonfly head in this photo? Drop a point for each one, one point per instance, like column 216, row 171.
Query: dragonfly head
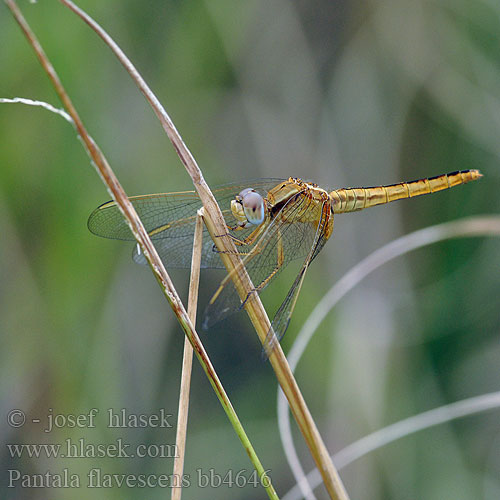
column 248, row 207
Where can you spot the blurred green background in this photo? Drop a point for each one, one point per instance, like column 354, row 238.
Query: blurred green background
column 344, row 93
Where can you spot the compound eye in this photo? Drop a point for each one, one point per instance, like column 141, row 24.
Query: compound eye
column 253, row 206
column 243, row 193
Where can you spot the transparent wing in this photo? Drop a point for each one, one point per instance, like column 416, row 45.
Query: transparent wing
column 283, row 315
column 169, row 219
column 286, row 238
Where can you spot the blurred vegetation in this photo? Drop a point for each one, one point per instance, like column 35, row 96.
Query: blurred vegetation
column 343, row 93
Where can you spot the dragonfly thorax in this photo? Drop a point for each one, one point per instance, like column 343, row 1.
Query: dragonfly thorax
column 248, row 207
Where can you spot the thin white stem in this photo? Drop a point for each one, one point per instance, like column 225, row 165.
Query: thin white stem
column 41, row 104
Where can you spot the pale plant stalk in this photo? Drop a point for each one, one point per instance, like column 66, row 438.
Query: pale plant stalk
column 40, row 104
column 119, row 196
column 466, row 228
column 187, row 361
column 217, row 228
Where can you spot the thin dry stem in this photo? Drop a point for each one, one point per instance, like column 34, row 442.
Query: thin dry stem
column 216, row 225
column 187, row 361
column 141, row 235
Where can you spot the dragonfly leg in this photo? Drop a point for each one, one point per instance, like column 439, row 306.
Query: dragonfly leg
column 237, row 227
column 279, row 264
column 249, row 240
column 216, row 250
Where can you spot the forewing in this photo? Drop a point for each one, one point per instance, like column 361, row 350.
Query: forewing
column 169, row 219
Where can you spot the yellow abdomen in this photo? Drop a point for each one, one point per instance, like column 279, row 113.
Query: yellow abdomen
column 352, row 199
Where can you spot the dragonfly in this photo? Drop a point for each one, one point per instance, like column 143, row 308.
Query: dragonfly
column 271, row 221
